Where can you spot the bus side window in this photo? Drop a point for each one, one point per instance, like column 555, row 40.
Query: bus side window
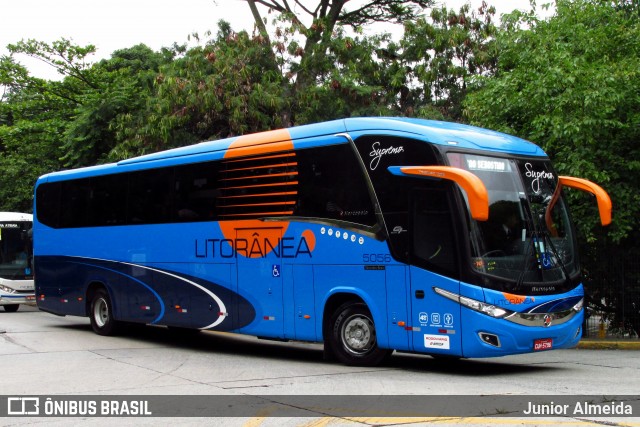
column 75, row 202
column 48, row 204
column 107, row 200
column 333, row 186
column 196, row 192
column 150, row 194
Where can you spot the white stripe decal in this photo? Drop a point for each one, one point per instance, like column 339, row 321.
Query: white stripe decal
column 222, row 313
column 221, row 305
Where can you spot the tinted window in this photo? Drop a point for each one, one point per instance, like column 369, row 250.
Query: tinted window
column 324, row 182
column 75, row 199
column 432, row 237
column 332, row 186
column 107, row 200
column 196, row 192
column 151, row 196
column 380, row 152
column 48, row 204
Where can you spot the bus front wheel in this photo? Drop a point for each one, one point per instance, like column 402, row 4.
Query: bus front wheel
column 101, row 314
column 353, row 336
column 11, row 308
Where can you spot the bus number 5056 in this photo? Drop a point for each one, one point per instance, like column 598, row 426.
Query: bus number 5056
column 376, row 258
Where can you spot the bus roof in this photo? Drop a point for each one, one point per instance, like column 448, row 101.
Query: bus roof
column 436, row 132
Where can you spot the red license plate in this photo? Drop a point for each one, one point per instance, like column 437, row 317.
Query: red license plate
column 543, row 344
column 31, row 297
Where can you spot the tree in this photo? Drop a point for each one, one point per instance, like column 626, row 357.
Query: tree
column 224, row 88
column 447, row 49
column 317, row 26
column 121, row 88
column 31, row 122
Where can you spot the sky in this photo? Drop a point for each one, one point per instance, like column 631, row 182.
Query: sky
column 115, row 24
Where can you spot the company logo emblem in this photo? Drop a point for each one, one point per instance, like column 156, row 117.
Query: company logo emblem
column 23, row 406
column 546, row 320
column 398, row 230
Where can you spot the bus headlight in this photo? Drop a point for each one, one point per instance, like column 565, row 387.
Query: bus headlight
column 7, row 289
column 579, row 305
column 488, row 309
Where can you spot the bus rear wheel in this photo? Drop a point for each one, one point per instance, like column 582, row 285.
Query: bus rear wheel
column 11, row 308
column 101, row 314
column 353, row 336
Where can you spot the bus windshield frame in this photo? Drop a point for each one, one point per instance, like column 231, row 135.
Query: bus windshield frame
column 528, row 243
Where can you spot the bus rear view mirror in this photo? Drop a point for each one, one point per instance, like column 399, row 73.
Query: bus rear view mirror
column 470, row 183
column 603, row 199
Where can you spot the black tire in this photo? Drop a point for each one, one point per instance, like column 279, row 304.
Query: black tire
column 11, row 308
column 101, row 314
column 353, row 338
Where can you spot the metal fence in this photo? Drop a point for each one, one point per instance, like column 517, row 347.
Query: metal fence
column 613, row 301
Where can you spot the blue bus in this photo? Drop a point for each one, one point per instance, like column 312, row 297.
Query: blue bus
column 367, row 234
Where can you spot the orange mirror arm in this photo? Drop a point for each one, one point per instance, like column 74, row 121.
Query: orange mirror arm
column 470, row 183
column 603, row 199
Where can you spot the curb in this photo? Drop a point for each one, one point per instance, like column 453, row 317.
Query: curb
column 589, row 344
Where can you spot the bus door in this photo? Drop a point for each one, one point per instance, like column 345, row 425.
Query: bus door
column 435, row 320
column 259, row 263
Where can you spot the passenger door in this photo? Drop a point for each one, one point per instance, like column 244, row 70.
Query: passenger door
column 434, row 261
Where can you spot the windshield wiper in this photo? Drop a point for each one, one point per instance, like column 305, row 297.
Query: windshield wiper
column 556, row 254
column 526, row 260
column 545, row 240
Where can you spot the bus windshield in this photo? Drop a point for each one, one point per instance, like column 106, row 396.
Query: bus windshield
column 15, row 250
column 528, row 237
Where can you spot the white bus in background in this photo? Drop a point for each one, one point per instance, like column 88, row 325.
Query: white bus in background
column 16, row 259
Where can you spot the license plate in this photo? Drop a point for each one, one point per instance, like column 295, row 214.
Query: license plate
column 543, row 344
column 31, row 297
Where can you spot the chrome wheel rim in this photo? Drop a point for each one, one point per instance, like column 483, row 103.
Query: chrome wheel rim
column 358, row 334
column 101, row 312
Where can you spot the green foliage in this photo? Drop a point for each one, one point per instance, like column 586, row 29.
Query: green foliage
column 228, row 87
column 30, row 125
column 329, row 74
column 121, row 80
column 569, row 83
column 352, row 80
column 445, row 51
column 68, row 59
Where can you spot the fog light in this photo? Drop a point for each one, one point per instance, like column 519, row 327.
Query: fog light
column 490, row 339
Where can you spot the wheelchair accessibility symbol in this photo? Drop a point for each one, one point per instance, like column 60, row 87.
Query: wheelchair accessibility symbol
column 275, row 270
column 546, row 261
